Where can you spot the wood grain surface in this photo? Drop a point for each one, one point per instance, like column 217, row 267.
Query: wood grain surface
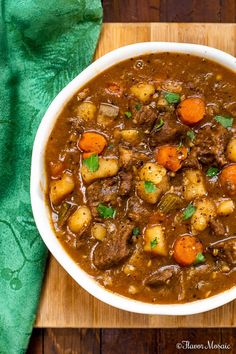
column 169, row 10
column 64, row 303
column 129, row 341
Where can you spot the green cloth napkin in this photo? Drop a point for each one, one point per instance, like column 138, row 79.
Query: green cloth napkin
column 44, row 44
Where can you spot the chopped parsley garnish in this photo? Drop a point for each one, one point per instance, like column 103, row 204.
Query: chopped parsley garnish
column 226, row 122
column 106, row 212
column 92, row 163
column 188, row 211
column 138, row 106
column 191, row 135
column 159, row 125
column 128, row 114
column 212, row 171
column 149, row 187
column 199, row 258
column 172, row 97
column 153, row 243
column 136, row 231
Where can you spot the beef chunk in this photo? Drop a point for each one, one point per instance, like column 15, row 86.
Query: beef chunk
column 171, row 131
column 225, row 250
column 136, row 209
column 126, row 179
column 162, row 276
column 129, row 157
column 191, row 162
column 146, row 116
column 105, row 191
column 217, row 227
column 115, row 247
column 210, row 144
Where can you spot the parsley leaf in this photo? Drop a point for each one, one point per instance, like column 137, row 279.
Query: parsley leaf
column 138, row 106
column 199, row 258
column 92, row 163
column 172, row 97
column 191, row 135
column 212, row 171
column 149, row 187
column 128, row 114
column 226, row 122
column 153, row 243
column 159, row 125
column 189, row 211
column 105, row 211
column 136, row 231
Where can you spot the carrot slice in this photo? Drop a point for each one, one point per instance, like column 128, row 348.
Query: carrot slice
column 171, row 157
column 92, row 143
column 228, row 179
column 191, row 111
column 186, row 249
column 88, row 154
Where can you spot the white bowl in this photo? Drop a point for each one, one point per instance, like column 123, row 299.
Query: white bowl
column 38, row 180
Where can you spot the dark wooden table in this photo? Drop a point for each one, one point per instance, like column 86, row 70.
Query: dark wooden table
column 144, row 341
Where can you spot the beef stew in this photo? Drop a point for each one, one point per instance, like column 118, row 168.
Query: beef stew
column 141, row 169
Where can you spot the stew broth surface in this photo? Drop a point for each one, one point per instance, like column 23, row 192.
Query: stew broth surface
column 141, row 171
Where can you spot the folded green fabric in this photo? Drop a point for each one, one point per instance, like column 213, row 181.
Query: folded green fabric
column 43, row 45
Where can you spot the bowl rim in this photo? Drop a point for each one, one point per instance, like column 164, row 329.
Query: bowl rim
column 38, row 180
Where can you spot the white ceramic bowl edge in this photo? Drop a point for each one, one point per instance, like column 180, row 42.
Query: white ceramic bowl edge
column 38, row 180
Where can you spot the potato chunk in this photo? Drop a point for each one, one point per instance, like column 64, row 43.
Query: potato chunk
column 156, row 174
column 107, row 168
column 98, row 231
column 149, row 197
column 80, row 220
column 60, row 188
column 152, row 197
column 155, row 242
column 225, row 207
column 132, row 136
column 126, row 156
column 143, row 91
column 86, row 111
column 152, row 172
column 194, row 185
column 231, row 150
column 205, row 211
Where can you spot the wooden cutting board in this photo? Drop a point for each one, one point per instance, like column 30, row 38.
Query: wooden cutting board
column 63, row 302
